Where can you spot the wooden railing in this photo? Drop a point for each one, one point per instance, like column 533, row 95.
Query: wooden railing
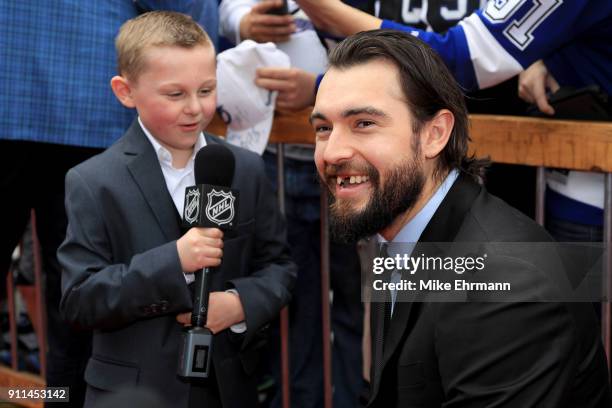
column 571, row 145
column 574, row 145
column 11, row 379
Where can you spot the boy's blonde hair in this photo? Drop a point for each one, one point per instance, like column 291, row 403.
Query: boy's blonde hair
column 154, row 29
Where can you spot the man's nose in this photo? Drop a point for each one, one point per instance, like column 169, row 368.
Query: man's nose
column 338, row 147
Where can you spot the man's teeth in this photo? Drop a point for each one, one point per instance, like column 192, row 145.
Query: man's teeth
column 343, row 181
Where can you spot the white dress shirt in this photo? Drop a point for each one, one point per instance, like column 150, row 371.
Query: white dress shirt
column 176, row 181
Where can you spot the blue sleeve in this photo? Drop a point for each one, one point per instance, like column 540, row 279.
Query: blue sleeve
column 452, row 47
column 181, row 6
column 205, row 12
column 496, row 43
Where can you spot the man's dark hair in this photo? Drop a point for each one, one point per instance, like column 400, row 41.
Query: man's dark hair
column 427, row 86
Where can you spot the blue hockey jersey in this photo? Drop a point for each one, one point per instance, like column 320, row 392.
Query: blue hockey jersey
column 574, row 37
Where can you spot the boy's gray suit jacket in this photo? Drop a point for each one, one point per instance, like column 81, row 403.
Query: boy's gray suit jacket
column 123, row 278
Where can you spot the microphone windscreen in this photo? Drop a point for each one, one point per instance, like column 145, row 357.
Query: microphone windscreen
column 214, row 164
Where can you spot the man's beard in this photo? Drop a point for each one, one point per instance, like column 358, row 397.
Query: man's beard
column 402, row 188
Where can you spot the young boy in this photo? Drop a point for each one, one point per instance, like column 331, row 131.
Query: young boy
column 126, row 262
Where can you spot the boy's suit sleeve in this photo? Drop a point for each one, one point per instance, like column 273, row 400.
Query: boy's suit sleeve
column 98, row 291
column 268, row 287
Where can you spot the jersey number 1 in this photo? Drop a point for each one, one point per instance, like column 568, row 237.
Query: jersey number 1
column 520, row 32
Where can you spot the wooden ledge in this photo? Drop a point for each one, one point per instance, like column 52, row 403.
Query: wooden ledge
column 16, row 379
column 288, row 127
column 575, row 145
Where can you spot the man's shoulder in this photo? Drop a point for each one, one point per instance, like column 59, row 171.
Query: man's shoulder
column 469, row 213
column 496, row 221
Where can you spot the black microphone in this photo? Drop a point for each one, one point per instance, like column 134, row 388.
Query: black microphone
column 214, row 171
column 211, row 204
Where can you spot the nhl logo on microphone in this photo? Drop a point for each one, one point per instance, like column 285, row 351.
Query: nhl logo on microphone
column 192, row 205
column 220, row 207
column 210, row 206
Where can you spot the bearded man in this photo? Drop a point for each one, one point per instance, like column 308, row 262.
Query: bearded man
column 391, row 145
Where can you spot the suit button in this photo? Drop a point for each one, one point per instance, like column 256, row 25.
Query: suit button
column 164, row 305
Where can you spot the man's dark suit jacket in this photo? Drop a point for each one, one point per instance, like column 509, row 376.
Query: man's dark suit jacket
column 488, row 354
column 123, row 278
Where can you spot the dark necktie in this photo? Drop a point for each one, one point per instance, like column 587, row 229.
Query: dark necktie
column 388, row 300
column 387, row 320
column 381, row 320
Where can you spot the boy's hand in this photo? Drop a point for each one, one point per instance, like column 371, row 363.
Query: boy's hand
column 261, row 27
column 224, row 310
column 200, row 248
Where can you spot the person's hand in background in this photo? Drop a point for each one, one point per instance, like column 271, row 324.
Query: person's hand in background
column 533, row 83
column 261, row 27
column 296, row 87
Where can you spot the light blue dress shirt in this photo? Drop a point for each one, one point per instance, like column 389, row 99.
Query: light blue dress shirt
column 411, row 232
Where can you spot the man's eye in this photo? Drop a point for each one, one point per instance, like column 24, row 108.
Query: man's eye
column 322, row 128
column 364, row 123
column 174, row 94
column 205, row 92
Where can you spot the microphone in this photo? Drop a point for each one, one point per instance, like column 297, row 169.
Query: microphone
column 210, row 204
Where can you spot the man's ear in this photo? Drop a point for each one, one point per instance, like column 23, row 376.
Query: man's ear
column 436, row 133
column 123, row 91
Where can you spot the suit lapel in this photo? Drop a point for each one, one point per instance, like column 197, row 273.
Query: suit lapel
column 377, row 316
column 143, row 164
column 400, row 321
column 449, row 216
column 442, row 227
